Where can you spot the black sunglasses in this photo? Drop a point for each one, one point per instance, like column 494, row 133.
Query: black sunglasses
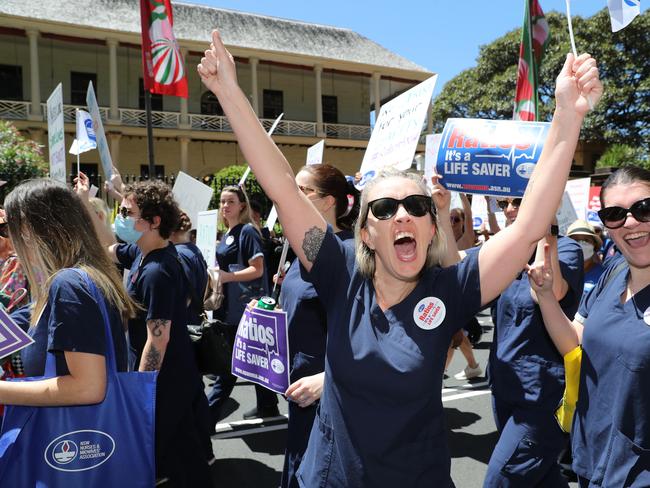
column 515, row 202
column 415, row 205
column 615, row 217
column 4, row 230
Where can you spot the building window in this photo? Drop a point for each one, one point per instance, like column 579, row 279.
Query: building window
column 330, row 109
column 156, row 99
column 11, row 82
column 89, row 169
column 210, row 105
column 273, row 104
column 160, row 170
column 79, row 86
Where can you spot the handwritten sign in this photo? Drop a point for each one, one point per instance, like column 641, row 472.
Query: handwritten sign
column 12, row 337
column 490, row 157
column 98, row 126
column 578, row 191
column 395, row 136
column 315, row 153
column 566, row 215
column 261, row 351
column 192, row 196
column 56, row 134
column 206, row 235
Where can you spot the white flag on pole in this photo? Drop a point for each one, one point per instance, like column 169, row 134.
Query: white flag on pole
column 86, row 139
column 622, row 12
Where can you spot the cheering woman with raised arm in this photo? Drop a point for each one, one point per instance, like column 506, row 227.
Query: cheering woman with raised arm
column 391, row 312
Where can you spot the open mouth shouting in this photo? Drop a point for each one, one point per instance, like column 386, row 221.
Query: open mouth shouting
column 637, row 240
column 405, row 246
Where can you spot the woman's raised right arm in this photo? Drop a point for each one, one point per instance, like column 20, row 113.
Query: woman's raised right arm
column 302, row 224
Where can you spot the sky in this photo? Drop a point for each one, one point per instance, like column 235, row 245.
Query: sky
column 443, row 36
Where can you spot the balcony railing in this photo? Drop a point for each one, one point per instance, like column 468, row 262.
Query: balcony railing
column 172, row 120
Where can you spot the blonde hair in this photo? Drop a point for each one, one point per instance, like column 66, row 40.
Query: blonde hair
column 365, row 257
column 101, row 207
column 52, row 230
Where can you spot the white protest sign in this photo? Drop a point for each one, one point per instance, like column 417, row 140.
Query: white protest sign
column 206, row 235
column 192, row 196
column 315, row 153
column 56, row 134
column 395, row 137
column 272, row 218
column 566, row 215
column 98, row 127
column 92, row 193
column 480, row 212
column 431, row 156
column 578, row 191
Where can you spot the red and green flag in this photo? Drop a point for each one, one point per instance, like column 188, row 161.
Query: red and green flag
column 162, row 62
column 534, row 37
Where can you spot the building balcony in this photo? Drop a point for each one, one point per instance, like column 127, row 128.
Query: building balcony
column 19, row 110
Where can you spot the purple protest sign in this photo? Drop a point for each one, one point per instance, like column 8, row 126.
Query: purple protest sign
column 12, row 337
column 261, row 352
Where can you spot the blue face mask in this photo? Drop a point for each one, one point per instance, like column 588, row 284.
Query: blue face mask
column 125, row 229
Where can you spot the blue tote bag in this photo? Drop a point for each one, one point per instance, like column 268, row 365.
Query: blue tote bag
column 110, row 444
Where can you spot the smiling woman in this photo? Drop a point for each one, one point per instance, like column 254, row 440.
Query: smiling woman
column 391, row 312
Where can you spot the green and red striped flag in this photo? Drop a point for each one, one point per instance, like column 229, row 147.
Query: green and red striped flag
column 163, row 67
column 534, row 37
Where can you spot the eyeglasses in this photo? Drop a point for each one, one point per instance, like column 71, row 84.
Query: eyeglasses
column 4, row 230
column 515, row 202
column 454, row 220
column 615, row 217
column 415, row 205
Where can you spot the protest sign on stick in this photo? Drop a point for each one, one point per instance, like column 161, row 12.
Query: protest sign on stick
column 206, row 235
column 395, row 137
column 56, row 134
column 98, row 126
column 566, row 215
column 315, row 153
column 578, row 191
column 192, row 196
column 261, row 351
column 490, row 157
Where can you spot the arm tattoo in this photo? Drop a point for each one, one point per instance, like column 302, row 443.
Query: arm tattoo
column 312, row 242
column 157, row 326
column 152, row 360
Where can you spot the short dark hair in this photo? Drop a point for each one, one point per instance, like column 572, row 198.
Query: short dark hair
column 623, row 176
column 155, row 198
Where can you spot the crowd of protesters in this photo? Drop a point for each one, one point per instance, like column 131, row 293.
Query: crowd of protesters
column 384, row 286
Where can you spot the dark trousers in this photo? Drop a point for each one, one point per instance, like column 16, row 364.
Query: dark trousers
column 222, row 388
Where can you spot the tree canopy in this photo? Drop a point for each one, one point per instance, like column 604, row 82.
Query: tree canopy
column 20, row 158
column 622, row 116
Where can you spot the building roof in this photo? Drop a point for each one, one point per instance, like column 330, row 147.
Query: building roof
column 240, row 29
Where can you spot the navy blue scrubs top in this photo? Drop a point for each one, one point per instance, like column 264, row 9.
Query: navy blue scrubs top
column 592, row 276
column 196, row 270
column 611, row 427
column 158, row 284
column 525, row 368
column 241, row 244
column 380, row 421
column 72, row 321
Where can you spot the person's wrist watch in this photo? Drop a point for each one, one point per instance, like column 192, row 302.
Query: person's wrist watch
column 555, row 230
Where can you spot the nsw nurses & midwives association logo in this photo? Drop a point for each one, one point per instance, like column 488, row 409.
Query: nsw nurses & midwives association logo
column 429, row 313
column 80, row 450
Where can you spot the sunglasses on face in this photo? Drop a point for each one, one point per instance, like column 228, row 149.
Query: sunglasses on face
column 615, row 217
column 4, row 230
column 307, row 190
column 503, row 204
column 454, row 220
column 125, row 212
column 415, row 205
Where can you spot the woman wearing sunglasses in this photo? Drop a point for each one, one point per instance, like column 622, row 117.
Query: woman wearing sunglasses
column 392, row 313
column 611, row 426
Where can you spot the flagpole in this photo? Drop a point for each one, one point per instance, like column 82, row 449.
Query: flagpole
column 78, row 163
column 147, row 106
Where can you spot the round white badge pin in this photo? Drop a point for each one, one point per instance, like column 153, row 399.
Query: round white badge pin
column 429, row 313
column 230, row 240
column 646, row 316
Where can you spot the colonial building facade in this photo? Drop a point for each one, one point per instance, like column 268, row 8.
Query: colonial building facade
column 326, row 80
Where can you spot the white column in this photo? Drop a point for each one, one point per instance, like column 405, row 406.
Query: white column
column 114, row 138
column 184, row 122
column 35, row 112
column 114, row 113
column 376, row 92
column 255, row 101
column 185, row 142
column 320, row 130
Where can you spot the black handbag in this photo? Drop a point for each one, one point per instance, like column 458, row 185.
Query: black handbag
column 213, row 344
column 212, row 340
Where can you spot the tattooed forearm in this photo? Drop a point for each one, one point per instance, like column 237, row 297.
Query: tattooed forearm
column 158, row 326
column 152, row 360
column 312, row 242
